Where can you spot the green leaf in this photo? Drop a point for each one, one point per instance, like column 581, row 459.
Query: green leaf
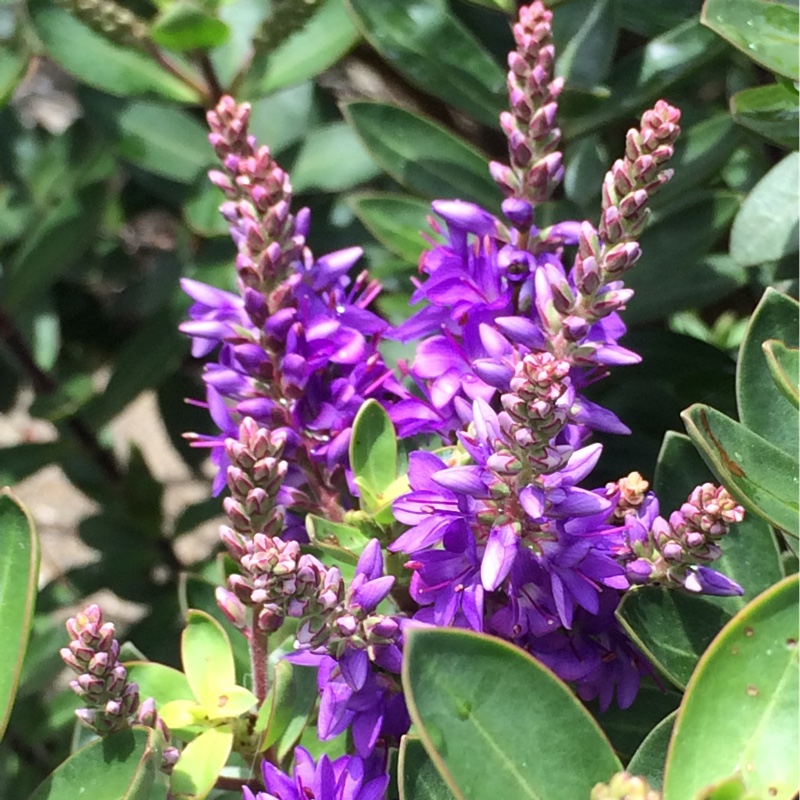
column 672, row 628
column 649, row 760
column 395, row 220
column 675, row 271
column 766, row 227
column 284, row 117
column 424, row 41
column 771, row 111
column 784, row 366
column 200, row 764
column 762, row 408
column 322, row 41
column 207, row 658
column 765, row 30
column 422, row 155
column 347, row 542
column 586, row 162
column 417, row 776
column 164, row 684
column 201, row 210
column 749, row 551
column 479, row 703
column 759, row 475
column 54, row 246
column 739, row 715
column 123, row 766
column 19, row 573
column 290, row 703
column 185, row 25
column 94, row 60
column 332, row 159
column 373, row 449
column 586, row 60
column 496, row 5
column 642, row 76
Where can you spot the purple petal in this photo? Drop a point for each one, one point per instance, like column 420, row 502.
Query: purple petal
column 355, row 667
column 369, row 594
column 501, row 550
column 463, row 480
column 370, row 563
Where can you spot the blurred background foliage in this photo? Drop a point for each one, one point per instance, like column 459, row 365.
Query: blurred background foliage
column 375, row 107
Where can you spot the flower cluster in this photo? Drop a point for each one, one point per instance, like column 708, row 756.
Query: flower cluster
column 497, row 531
column 297, row 345
column 112, row 701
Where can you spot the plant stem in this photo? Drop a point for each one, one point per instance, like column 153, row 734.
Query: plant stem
column 215, row 89
column 259, row 651
column 182, row 75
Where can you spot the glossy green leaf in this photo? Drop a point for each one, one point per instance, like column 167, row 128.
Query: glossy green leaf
column 186, row 25
column 123, row 766
column 759, row 475
column 784, row 366
column 649, row 760
column 762, row 408
column 290, row 703
column 766, row 227
column 771, row 111
column 643, row 76
column 207, row 658
column 424, row 41
column 417, row 776
column 373, row 448
column 54, row 246
column 586, row 163
column 422, row 155
column 348, row 542
column 395, row 220
column 496, row 5
column 201, row 210
column 656, row 16
column 675, row 270
column 19, row 573
column 739, row 715
column 765, row 30
column 672, row 628
column 322, row 41
column 749, row 551
column 94, row 60
column 200, row 764
column 164, row 684
column 586, row 60
column 479, row 703
column 332, row 159
column 284, row 116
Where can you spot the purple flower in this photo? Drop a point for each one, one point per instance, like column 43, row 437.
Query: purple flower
column 346, row 778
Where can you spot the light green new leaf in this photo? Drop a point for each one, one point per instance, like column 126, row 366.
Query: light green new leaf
column 373, row 448
column 395, row 220
column 740, row 713
column 765, row 30
column 649, row 760
column 96, row 61
column 766, row 227
column 486, row 713
column 422, row 155
column 417, row 776
column 759, row 475
column 762, row 407
column 347, row 542
column 423, row 40
column 784, row 366
column 200, row 764
column 771, row 111
column 164, row 684
column 123, row 766
column 186, row 25
column 672, row 628
column 19, row 572
column 207, row 658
